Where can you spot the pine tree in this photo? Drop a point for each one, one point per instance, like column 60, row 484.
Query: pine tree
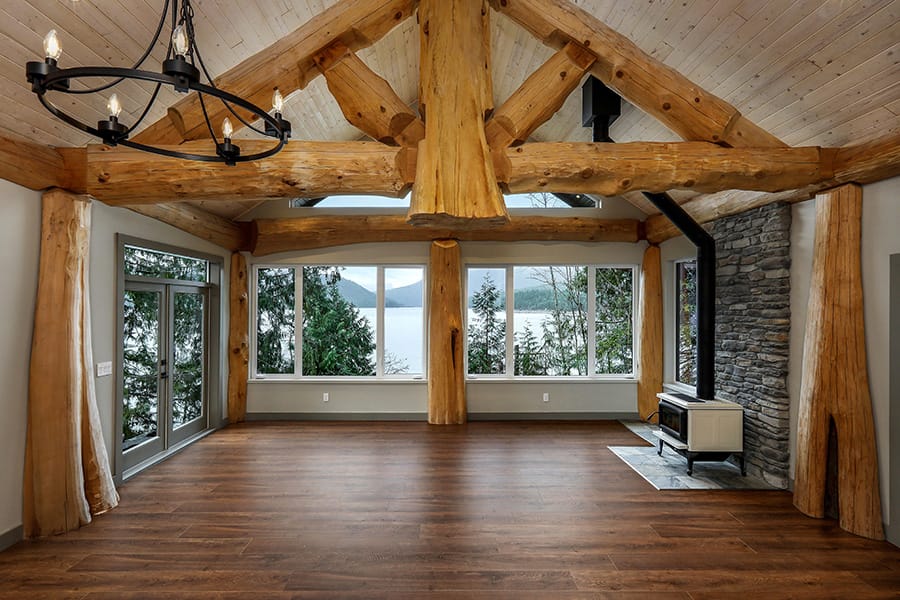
column 530, row 359
column 487, row 334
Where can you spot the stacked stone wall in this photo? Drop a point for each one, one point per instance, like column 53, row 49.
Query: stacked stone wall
column 753, row 321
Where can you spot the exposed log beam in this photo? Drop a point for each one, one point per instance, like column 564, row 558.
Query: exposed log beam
column 39, row 167
column 455, row 183
column 539, row 97
column 647, row 83
column 288, row 64
column 198, row 222
column 612, row 169
column 446, row 372
column 835, row 384
column 303, row 233
column 863, row 163
column 367, row 100
column 122, row 176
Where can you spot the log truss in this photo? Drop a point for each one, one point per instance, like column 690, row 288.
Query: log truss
column 734, row 164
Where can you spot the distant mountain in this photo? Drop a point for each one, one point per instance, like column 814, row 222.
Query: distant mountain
column 408, row 295
column 356, row 294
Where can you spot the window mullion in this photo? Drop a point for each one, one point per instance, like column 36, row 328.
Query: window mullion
column 510, row 295
column 591, row 320
column 379, row 322
column 298, row 321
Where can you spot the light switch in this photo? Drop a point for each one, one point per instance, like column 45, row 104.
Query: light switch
column 104, row 369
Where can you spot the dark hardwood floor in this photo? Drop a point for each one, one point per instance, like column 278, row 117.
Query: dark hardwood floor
column 404, row 510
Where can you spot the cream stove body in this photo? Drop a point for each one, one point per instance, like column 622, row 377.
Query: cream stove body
column 701, row 430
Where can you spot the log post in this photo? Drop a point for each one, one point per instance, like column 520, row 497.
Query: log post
column 446, row 376
column 650, row 333
column 238, row 339
column 67, row 472
column 835, row 385
column 455, row 182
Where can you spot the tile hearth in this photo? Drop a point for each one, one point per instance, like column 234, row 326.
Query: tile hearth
column 668, row 472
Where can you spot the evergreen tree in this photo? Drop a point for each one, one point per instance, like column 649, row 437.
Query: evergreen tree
column 337, row 340
column 487, row 334
column 275, row 321
column 614, row 325
column 530, row 358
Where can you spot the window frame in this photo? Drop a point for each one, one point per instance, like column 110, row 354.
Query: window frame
column 592, row 375
column 379, row 325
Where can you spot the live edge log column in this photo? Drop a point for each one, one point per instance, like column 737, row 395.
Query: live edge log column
column 238, row 339
column 446, row 379
column 67, row 472
column 650, row 332
column 835, row 384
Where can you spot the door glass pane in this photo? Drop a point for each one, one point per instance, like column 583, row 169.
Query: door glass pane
column 486, row 319
column 404, row 320
column 275, row 321
column 339, row 320
column 615, row 302
column 140, row 417
column 550, row 320
column 187, row 368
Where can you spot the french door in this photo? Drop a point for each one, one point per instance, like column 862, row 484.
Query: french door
column 164, row 368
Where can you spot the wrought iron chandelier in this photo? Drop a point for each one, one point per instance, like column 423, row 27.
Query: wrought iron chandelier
column 181, row 69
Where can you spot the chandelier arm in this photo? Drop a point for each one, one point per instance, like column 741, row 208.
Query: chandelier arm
column 202, row 157
column 209, row 126
column 199, row 59
column 146, row 109
column 140, row 61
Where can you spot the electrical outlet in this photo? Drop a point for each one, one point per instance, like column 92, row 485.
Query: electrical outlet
column 546, row 396
column 104, row 369
column 325, row 397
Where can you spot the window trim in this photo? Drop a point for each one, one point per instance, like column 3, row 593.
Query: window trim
column 297, row 375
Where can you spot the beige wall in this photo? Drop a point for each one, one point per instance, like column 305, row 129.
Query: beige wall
column 20, row 228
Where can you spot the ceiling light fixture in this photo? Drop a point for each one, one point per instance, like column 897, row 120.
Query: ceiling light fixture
column 181, row 69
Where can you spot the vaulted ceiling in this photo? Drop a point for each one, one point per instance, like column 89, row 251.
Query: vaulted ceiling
column 811, row 72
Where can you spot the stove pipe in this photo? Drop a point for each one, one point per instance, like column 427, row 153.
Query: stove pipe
column 706, row 290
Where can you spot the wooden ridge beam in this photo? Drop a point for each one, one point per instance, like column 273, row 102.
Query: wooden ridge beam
column 367, row 100
column 122, row 176
column 455, row 185
column 268, row 236
column 197, row 222
column 862, row 163
column 288, row 64
column 657, row 89
column 612, row 169
column 539, row 97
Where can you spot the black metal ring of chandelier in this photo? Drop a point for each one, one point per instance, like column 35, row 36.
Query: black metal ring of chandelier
column 275, row 127
column 178, row 72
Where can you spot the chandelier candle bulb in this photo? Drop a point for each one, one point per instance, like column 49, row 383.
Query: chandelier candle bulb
column 115, row 109
column 52, row 47
column 227, row 129
column 180, row 41
column 277, row 102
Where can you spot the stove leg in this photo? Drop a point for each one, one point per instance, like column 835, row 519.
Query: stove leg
column 690, row 460
column 659, row 452
column 743, row 465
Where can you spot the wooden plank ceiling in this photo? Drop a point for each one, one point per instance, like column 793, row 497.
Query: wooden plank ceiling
column 811, row 72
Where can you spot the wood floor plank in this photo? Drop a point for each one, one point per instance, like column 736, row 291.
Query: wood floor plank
column 399, row 511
